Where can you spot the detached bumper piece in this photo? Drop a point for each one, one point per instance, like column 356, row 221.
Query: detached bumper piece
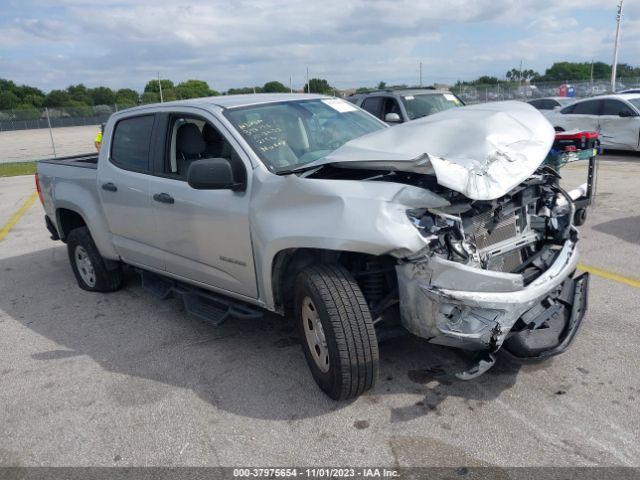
column 550, row 328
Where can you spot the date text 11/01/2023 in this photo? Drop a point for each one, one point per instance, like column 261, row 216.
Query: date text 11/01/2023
column 315, row 472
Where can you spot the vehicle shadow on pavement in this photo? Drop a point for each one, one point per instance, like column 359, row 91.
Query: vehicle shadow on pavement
column 249, row 368
column 627, row 229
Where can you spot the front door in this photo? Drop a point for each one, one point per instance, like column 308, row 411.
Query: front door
column 619, row 131
column 205, row 234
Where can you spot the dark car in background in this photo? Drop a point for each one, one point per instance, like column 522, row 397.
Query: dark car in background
column 398, row 106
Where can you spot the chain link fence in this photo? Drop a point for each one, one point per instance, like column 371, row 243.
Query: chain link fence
column 27, row 119
column 29, row 135
column 479, row 93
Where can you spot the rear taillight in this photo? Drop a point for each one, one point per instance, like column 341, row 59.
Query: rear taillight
column 38, row 189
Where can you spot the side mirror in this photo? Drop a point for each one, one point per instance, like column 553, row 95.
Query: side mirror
column 212, row 174
column 392, row 118
column 626, row 113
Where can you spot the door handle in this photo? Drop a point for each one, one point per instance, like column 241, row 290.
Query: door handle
column 109, row 187
column 163, row 198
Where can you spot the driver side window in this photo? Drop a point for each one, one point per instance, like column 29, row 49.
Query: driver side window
column 191, row 139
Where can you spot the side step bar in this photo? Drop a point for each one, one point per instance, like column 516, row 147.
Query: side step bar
column 207, row 306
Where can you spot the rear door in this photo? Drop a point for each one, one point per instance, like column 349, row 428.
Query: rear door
column 583, row 116
column 123, row 187
column 619, row 125
column 205, row 234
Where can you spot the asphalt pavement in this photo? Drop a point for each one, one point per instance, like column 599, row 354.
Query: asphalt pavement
column 124, row 379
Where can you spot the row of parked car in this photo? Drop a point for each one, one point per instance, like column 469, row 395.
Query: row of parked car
column 616, row 117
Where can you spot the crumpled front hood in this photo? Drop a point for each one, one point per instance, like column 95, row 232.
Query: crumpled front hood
column 482, row 151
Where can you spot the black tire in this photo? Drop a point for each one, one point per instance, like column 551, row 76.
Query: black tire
column 580, row 217
column 81, row 245
column 351, row 343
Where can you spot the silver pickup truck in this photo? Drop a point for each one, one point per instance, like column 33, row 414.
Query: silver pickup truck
column 306, row 205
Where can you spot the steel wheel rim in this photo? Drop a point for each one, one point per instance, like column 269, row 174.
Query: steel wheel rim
column 84, row 266
column 314, row 334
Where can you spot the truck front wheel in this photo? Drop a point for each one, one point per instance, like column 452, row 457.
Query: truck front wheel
column 336, row 331
column 88, row 265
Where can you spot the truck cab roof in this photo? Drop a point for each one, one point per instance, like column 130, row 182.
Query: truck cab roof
column 232, row 101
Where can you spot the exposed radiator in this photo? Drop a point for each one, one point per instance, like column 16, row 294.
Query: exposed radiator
column 486, row 235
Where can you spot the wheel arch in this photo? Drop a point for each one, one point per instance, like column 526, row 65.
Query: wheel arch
column 67, row 220
column 288, row 262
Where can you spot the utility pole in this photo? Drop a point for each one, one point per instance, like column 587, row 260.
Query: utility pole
column 614, row 67
column 290, row 85
column 308, row 86
column 160, row 88
column 592, row 74
column 421, row 74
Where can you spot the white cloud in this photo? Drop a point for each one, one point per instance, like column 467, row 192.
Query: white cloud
column 246, row 42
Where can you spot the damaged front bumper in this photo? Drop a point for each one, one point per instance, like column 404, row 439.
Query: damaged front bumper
column 474, row 309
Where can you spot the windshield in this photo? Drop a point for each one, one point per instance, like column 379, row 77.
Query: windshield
column 287, row 135
column 427, row 104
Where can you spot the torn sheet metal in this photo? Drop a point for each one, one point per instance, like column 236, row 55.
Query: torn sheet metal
column 482, row 151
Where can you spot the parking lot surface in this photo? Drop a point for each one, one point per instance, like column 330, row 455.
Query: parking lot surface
column 124, row 379
column 27, row 145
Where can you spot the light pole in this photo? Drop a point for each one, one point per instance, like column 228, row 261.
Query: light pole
column 614, row 67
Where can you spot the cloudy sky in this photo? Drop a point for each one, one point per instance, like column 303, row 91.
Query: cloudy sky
column 124, row 43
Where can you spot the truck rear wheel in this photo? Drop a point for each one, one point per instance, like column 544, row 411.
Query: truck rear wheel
column 88, row 265
column 336, row 331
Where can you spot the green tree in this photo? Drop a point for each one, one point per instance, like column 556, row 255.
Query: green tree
column 56, row 98
column 382, row 85
column 102, row 96
column 243, row 90
column 80, row 93
column 127, row 97
column 168, row 90
column 274, row 87
column 486, row 80
column 33, row 100
column 194, row 89
column 8, row 100
column 150, row 97
column 563, row 71
column 318, row 85
column 152, row 86
column 30, row 95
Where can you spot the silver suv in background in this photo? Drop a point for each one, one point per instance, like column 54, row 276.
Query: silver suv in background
column 398, row 106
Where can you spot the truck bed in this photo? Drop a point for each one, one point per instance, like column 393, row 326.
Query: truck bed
column 87, row 160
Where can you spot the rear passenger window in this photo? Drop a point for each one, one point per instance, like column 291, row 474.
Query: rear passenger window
column 132, row 142
column 586, row 108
